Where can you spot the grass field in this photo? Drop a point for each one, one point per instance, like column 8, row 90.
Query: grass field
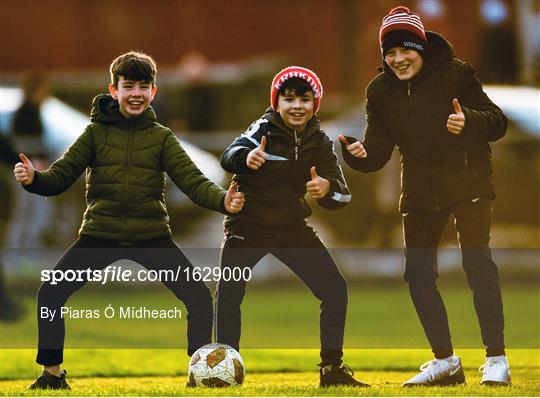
column 270, row 373
column 378, row 316
column 384, row 341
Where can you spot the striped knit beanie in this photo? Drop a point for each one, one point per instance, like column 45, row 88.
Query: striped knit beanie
column 302, row 73
column 402, row 28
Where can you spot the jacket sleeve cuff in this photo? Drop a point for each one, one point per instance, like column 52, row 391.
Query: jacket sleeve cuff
column 34, row 186
column 336, row 193
column 475, row 126
column 351, row 160
column 236, row 163
column 241, row 158
column 335, row 198
column 469, row 123
column 222, row 209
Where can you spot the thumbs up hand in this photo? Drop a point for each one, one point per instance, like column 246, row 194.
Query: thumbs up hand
column 456, row 121
column 257, row 156
column 234, row 200
column 317, row 187
column 356, row 148
column 24, row 172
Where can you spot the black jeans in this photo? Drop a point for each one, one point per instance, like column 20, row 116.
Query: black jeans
column 94, row 253
column 299, row 248
column 422, row 235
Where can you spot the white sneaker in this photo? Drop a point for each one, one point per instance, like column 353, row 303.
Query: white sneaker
column 439, row 372
column 495, row 371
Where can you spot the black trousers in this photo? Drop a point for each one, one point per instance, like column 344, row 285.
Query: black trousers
column 422, row 233
column 300, row 248
column 94, row 253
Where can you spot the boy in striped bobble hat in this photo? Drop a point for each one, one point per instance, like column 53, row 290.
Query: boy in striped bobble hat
column 281, row 157
column 431, row 106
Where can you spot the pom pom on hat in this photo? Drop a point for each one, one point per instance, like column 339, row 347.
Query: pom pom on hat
column 402, row 28
column 302, row 73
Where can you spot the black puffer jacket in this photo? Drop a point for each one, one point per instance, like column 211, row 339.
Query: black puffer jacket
column 438, row 167
column 275, row 192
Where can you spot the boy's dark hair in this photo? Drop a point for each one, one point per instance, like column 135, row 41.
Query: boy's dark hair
column 296, row 84
column 135, row 66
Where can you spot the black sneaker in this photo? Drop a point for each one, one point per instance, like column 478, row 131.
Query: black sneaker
column 48, row 381
column 333, row 375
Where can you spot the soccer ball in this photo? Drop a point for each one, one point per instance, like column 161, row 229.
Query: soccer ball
column 216, row 365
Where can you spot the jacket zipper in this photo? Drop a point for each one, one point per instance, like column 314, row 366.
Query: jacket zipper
column 435, row 196
column 296, row 145
column 411, row 110
column 409, row 86
column 128, row 166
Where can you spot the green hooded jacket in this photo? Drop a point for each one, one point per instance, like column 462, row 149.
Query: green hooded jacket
column 125, row 160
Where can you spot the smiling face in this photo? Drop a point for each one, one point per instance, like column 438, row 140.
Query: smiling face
column 133, row 96
column 295, row 110
column 404, row 62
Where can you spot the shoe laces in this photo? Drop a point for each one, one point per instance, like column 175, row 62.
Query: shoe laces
column 492, row 365
column 346, row 369
column 434, row 368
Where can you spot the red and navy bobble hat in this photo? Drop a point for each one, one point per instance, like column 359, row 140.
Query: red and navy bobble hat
column 303, row 73
column 402, row 28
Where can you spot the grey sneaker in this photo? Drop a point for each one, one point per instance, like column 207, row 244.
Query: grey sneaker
column 48, row 381
column 495, row 372
column 438, row 372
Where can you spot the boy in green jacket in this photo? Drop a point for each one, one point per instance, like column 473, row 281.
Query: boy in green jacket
column 125, row 153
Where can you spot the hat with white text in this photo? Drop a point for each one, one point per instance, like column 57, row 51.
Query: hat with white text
column 402, row 28
column 302, row 73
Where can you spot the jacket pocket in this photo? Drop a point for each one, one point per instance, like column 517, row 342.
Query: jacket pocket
column 463, row 175
column 481, row 164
